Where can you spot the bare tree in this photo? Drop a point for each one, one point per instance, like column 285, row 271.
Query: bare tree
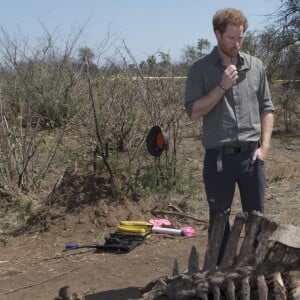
column 40, row 89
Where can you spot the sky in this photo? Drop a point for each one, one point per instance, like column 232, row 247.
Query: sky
column 146, row 27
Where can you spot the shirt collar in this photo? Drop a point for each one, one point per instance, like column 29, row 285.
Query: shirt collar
column 244, row 61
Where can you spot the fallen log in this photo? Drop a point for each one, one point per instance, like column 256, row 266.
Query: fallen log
column 157, row 212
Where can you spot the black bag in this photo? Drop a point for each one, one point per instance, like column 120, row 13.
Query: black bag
column 119, row 242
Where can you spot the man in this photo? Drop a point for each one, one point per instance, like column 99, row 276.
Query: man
column 229, row 90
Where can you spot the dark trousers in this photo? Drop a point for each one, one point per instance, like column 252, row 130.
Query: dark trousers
column 221, row 178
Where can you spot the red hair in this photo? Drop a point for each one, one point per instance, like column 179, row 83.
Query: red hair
column 224, row 17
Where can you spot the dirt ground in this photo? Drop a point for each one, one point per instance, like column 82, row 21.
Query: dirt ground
column 33, row 264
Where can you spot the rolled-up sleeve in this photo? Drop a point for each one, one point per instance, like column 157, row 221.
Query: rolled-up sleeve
column 263, row 94
column 194, row 87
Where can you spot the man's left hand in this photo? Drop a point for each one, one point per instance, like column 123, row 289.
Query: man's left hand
column 260, row 153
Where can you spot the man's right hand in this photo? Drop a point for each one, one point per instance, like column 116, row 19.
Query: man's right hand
column 229, row 77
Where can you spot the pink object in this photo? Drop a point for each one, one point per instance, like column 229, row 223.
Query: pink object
column 160, row 222
column 188, row 230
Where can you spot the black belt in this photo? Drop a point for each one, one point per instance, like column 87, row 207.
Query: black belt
column 237, row 149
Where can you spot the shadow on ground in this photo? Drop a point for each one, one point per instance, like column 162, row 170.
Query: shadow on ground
column 122, row 294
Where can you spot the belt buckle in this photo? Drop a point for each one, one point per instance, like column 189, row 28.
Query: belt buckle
column 237, row 149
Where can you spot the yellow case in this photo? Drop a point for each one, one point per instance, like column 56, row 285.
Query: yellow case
column 135, row 228
column 136, row 223
column 132, row 229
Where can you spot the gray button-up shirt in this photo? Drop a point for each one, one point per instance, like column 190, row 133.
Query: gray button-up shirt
column 236, row 118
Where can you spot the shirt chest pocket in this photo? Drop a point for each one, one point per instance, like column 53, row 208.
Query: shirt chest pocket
column 250, row 89
column 253, row 84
